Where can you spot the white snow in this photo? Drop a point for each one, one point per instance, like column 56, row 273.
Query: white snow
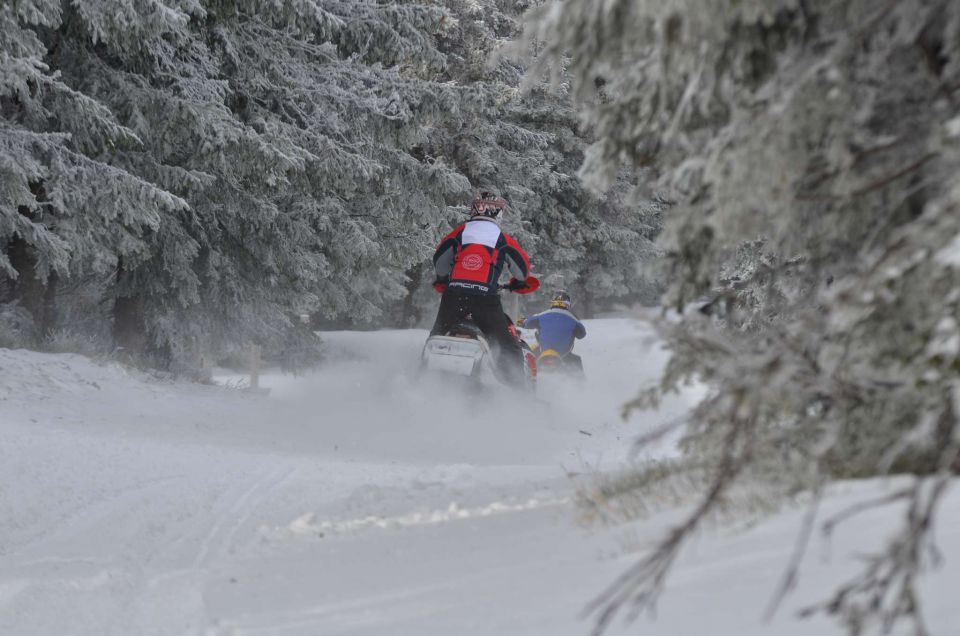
column 950, row 254
column 355, row 500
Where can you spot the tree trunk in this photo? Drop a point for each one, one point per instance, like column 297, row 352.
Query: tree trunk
column 129, row 325
column 36, row 294
column 410, row 314
column 50, row 310
column 33, row 293
column 586, row 304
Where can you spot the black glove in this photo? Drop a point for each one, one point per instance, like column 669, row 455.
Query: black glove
column 515, row 284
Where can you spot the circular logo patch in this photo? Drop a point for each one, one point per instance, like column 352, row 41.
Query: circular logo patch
column 472, row 262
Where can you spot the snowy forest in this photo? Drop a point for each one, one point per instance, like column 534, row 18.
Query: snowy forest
column 773, row 186
column 182, row 178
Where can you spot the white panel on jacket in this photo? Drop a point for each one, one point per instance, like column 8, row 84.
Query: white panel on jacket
column 483, row 232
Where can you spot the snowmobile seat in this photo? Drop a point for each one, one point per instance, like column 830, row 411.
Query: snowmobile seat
column 465, row 330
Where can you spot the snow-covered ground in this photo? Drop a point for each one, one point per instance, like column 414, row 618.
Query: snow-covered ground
column 354, row 500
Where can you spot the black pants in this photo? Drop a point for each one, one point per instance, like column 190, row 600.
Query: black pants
column 485, row 312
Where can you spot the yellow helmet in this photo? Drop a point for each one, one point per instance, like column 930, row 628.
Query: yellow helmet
column 560, row 300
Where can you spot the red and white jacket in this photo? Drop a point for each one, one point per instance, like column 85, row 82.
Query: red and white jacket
column 474, row 254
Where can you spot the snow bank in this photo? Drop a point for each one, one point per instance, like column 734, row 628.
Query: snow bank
column 29, row 376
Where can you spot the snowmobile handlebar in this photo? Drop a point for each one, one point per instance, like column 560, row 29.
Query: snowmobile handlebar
column 516, row 286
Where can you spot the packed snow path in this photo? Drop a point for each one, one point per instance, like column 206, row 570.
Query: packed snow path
column 356, row 501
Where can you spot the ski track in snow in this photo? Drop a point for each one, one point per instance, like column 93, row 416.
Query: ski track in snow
column 239, row 510
column 354, row 500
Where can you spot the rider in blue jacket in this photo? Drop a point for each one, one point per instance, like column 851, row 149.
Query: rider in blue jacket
column 557, row 329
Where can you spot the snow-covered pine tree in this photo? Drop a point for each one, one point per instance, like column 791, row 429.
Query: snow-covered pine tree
column 286, row 127
column 65, row 209
column 812, row 148
column 254, row 160
column 528, row 146
column 594, row 243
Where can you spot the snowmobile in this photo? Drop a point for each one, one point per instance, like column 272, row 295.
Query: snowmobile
column 463, row 351
column 553, row 362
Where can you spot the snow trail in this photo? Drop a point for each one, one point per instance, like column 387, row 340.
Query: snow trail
column 348, row 501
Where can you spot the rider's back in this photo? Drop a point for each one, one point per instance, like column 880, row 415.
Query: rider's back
column 558, row 328
column 475, row 253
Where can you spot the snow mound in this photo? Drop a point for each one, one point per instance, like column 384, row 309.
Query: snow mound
column 30, row 376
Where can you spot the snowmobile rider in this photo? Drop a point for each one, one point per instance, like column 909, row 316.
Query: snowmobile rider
column 468, row 264
column 558, row 328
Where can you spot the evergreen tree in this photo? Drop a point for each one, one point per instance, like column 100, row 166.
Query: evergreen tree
column 811, row 149
column 64, row 207
column 285, row 127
